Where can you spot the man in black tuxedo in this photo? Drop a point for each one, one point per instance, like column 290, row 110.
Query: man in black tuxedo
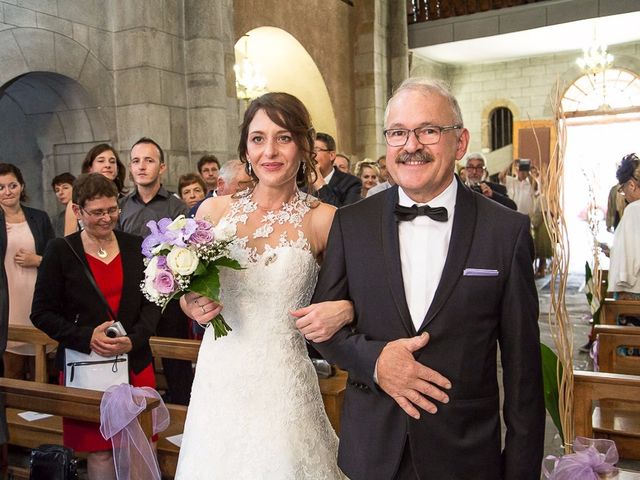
column 333, row 186
column 434, row 293
column 476, row 173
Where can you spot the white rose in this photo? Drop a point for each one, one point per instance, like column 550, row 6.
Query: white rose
column 178, row 224
column 150, row 289
column 152, row 268
column 224, row 230
column 182, row 261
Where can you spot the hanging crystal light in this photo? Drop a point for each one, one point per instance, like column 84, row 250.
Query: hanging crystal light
column 250, row 81
column 595, row 59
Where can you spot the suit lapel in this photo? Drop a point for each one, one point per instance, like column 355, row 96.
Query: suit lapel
column 464, row 223
column 391, row 255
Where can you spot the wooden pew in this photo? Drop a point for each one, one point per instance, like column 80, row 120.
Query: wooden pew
column 332, row 390
column 612, row 308
column 607, row 403
column 76, row 403
column 40, row 340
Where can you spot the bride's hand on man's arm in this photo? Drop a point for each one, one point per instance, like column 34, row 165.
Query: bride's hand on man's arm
column 320, row 321
column 199, row 308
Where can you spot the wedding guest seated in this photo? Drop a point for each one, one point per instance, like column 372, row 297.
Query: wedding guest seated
column 68, row 308
column 62, row 186
column 367, row 171
column 342, row 163
column 191, row 188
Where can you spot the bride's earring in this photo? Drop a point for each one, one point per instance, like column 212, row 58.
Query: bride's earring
column 304, row 167
column 249, row 168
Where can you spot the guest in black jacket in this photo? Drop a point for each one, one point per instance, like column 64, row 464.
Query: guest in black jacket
column 68, row 308
column 476, row 179
column 332, row 185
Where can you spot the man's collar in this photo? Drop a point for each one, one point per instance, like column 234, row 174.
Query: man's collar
column 327, row 179
column 162, row 192
column 446, row 199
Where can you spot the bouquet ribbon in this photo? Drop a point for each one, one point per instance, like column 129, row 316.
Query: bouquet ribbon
column 133, row 455
column 592, row 458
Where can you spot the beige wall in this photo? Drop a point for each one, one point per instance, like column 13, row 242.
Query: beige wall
column 323, row 28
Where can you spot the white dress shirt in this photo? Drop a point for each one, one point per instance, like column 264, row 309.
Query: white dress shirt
column 522, row 193
column 424, row 244
column 327, row 179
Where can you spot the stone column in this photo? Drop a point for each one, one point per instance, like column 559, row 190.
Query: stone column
column 148, row 56
column 209, row 59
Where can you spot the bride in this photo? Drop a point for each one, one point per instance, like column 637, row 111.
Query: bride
column 256, row 409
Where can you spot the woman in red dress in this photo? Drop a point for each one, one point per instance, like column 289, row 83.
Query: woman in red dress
column 67, row 307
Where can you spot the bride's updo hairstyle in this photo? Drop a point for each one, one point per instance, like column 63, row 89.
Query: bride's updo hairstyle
column 289, row 113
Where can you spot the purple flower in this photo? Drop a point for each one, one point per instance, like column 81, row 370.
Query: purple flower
column 164, row 282
column 203, row 234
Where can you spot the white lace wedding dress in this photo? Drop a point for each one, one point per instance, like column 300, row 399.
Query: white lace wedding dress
column 256, row 411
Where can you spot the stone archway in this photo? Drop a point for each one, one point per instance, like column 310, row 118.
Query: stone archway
column 278, row 53
column 56, row 98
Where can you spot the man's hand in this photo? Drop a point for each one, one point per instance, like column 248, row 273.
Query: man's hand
column 320, row 321
column 407, row 381
column 486, row 189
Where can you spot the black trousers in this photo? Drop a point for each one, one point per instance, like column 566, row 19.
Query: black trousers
column 179, row 373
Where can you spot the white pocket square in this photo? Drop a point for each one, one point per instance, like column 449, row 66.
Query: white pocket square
column 479, row 272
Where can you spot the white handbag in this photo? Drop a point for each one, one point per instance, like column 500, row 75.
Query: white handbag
column 94, row 372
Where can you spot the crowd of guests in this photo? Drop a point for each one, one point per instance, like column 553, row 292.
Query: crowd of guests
column 102, row 222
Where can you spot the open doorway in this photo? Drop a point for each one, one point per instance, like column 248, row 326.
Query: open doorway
column 595, row 146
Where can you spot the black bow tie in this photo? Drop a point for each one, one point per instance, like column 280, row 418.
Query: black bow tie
column 406, row 214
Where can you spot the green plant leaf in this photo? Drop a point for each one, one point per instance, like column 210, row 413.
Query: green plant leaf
column 207, row 284
column 550, row 371
column 228, row 262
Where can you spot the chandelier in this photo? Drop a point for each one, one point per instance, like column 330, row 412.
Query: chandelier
column 250, row 82
column 595, row 59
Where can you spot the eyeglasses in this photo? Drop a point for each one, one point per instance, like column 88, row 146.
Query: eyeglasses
column 621, row 187
column 112, row 212
column 322, row 150
column 428, row 135
column 479, row 167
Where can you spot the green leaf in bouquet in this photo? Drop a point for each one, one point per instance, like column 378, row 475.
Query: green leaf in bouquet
column 228, row 262
column 551, row 371
column 201, row 269
column 207, row 284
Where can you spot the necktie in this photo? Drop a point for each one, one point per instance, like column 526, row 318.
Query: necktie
column 406, row 214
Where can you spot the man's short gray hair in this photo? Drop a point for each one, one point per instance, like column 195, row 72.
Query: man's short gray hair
column 429, row 86
column 229, row 170
column 477, row 156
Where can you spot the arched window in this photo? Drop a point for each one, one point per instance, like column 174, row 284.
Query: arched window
column 501, row 121
column 612, row 89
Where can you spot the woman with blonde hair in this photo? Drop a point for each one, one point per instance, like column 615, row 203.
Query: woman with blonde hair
column 368, row 172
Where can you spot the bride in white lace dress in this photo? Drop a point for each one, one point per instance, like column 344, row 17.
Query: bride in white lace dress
column 256, row 411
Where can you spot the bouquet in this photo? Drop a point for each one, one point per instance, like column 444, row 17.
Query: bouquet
column 184, row 255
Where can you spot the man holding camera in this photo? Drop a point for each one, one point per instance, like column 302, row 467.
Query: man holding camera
column 522, row 187
column 476, row 174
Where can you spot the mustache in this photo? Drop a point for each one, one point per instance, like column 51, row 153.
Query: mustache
column 417, row 156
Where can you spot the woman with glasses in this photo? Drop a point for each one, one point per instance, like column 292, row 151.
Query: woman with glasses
column 24, row 233
column 101, row 159
column 68, row 308
column 368, row 173
column 624, row 269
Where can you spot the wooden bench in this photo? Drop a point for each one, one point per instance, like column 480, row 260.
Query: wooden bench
column 40, row 340
column 607, row 403
column 332, row 390
column 612, row 308
column 76, row 403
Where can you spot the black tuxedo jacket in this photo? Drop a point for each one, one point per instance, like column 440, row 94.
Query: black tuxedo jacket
column 67, row 308
column 469, row 316
column 343, row 189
